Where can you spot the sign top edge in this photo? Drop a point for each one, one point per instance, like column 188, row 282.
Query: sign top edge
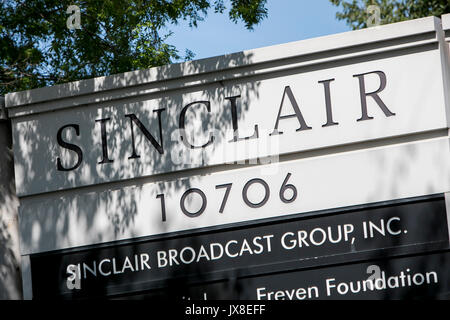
column 221, row 63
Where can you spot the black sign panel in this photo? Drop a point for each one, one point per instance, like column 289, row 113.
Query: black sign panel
column 339, row 237
column 416, row 277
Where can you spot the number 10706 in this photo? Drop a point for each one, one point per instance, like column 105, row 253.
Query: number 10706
column 285, row 197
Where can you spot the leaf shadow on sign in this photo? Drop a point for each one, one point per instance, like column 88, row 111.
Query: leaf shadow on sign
column 10, row 278
column 107, row 211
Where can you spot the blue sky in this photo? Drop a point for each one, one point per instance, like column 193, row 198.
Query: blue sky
column 288, row 20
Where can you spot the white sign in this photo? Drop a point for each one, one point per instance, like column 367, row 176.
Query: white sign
column 446, row 25
column 336, row 121
column 243, row 195
column 244, row 119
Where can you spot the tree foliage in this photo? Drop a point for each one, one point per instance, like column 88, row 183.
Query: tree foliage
column 355, row 13
column 37, row 49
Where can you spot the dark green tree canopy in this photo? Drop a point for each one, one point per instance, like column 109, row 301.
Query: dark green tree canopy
column 354, row 12
column 37, row 49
